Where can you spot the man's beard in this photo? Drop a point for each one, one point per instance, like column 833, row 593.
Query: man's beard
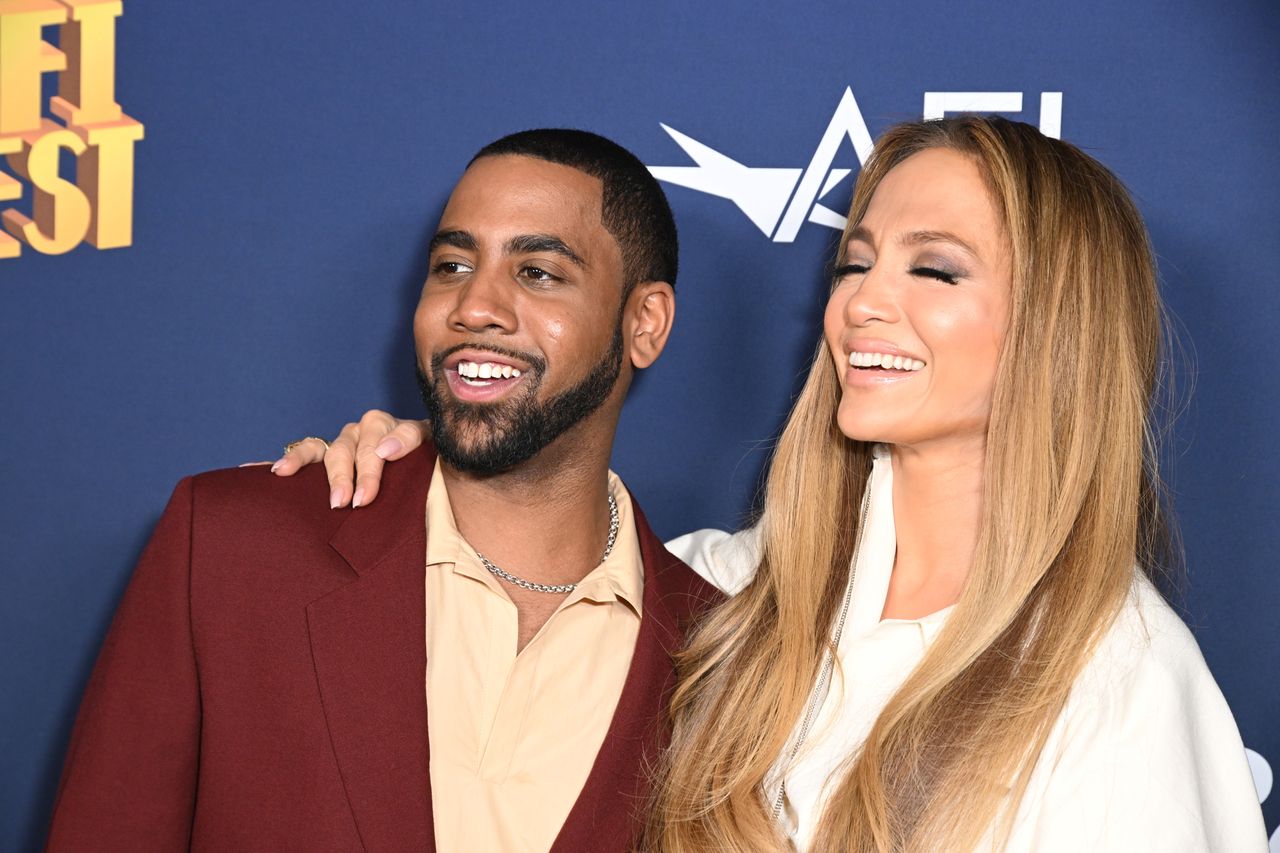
column 512, row 431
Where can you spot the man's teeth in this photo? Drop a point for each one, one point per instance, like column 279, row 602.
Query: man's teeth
column 486, row 370
column 884, row 360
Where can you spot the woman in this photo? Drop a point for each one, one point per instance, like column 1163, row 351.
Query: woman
column 944, row 635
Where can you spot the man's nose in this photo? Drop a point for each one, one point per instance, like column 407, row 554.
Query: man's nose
column 485, row 303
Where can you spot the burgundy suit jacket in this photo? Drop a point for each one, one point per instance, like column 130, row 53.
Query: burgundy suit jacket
column 262, row 685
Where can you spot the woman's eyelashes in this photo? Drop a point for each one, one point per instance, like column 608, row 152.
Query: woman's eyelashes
column 936, row 267
column 845, row 270
column 933, row 270
column 942, row 275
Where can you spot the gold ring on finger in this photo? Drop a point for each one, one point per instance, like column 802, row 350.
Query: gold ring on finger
column 288, row 448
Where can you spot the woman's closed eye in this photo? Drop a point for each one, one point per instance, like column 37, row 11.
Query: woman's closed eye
column 942, row 275
column 938, row 273
column 845, row 270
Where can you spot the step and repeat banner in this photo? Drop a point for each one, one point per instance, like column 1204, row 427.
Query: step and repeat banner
column 215, row 221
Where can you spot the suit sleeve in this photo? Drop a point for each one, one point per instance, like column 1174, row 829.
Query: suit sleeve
column 129, row 781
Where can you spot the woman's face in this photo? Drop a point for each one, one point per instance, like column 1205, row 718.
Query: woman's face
column 921, row 305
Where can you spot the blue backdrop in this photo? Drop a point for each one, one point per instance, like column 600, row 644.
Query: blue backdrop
column 297, row 156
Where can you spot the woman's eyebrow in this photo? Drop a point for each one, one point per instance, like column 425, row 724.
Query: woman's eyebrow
column 916, row 238
column 861, row 234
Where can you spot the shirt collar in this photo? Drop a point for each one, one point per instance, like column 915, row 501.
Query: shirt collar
column 621, row 576
column 444, row 542
column 618, row 578
column 876, row 556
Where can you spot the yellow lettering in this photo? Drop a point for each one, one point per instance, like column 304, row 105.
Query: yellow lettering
column 10, row 190
column 105, row 175
column 86, row 90
column 59, row 209
column 24, row 56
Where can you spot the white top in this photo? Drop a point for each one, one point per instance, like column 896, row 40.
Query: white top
column 1146, row 754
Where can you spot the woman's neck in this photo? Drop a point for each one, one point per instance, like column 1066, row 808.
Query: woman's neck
column 937, row 509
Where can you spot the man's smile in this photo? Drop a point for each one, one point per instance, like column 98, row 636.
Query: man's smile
column 476, row 375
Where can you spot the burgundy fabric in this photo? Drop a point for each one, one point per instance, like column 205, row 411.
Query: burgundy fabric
column 261, row 687
column 609, row 813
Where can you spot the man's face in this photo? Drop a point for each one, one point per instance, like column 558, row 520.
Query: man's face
column 518, row 328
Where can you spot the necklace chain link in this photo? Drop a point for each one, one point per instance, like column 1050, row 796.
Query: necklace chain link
column 560, row 588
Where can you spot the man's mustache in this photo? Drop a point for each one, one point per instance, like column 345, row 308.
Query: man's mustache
column 536, row 362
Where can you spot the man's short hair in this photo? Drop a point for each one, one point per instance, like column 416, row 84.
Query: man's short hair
column 633, row 208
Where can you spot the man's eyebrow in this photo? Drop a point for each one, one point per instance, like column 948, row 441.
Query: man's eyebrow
column 531, row 243
column 457, row 239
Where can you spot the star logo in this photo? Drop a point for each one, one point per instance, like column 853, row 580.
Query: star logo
column 780, row 200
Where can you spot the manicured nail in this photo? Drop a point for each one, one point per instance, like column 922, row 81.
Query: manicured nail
column 359, row 498
column 387, row 447
column 335, row 498
column 276, row 465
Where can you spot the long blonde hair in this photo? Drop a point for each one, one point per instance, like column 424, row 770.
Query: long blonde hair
column 1071, row 500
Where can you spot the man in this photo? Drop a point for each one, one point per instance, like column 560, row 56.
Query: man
column 266, row 685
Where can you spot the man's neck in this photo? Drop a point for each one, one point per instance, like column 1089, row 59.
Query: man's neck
column 546, row 520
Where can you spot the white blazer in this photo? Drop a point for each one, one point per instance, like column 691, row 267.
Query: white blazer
column 1145, row 757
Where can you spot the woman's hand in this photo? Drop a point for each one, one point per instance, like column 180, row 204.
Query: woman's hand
column 359, row 451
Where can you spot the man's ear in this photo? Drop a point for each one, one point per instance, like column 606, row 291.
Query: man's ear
column 651, row 309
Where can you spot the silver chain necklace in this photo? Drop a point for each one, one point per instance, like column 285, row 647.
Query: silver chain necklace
column 560, row 588
column 818, row 696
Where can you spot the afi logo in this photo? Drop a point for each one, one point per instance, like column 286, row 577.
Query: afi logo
column 98, row 207
column 779, row 201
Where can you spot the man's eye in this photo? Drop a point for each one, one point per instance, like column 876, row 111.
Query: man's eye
column 538, row 274
column 935, row 273
column 451, row 268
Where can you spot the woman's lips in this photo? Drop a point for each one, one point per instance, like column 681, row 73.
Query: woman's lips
column 872, row 377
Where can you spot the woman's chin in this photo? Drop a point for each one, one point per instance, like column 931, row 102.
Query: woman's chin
column 858, row 429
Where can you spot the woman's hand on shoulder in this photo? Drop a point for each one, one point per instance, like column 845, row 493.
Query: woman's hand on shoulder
column 355, row 458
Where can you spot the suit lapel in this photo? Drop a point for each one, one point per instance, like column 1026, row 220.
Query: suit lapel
column 609, row 813
column 368, row 645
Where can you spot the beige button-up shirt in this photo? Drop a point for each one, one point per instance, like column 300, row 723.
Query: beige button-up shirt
column 513, row 737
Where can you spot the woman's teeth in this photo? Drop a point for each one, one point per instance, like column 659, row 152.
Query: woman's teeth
column 472, row 370
column 884, row 360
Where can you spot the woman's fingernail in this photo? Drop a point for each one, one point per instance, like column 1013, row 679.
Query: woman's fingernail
column 359, row 497
column 335, row 498
column 276, row 465
column 387, row 447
